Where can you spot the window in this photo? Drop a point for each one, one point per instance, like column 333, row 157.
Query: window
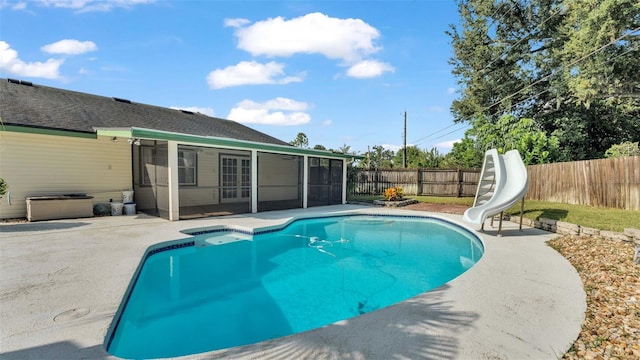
column 152, row 157
column 187, row 160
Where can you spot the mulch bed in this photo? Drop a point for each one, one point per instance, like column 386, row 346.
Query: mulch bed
column 441, row 208
column 611, row 329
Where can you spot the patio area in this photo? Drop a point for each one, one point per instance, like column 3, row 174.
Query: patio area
column 62, row 281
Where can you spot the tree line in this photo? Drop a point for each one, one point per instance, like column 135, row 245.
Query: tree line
column 558, row 80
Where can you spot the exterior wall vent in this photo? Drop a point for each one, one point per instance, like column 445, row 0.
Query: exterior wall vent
column 122, row 100
column 13, row 81
column 188, row 112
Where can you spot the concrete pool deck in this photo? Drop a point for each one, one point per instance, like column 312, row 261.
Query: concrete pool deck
column 62, row 281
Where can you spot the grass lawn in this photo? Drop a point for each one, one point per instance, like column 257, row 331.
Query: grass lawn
column 593, row 217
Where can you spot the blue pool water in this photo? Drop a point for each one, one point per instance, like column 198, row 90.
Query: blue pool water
column 225, row 289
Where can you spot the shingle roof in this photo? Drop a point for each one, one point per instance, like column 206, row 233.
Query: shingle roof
column 24, row 104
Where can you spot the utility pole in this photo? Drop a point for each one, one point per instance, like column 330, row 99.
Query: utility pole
column 404, row 148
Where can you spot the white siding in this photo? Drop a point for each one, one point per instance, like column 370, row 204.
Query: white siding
column 34, row 164
column 207, row 191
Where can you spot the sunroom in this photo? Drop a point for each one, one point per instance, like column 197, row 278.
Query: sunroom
column 180, row 176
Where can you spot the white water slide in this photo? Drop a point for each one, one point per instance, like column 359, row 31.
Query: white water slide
column 503, row 181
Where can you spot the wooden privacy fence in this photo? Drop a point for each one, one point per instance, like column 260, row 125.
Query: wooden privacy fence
column 430, row 182
column 613, row 183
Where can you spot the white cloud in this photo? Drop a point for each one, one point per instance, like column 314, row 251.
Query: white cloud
column 17, row 6
column 11, row 63
column 279, row 111
column 451, row 90
column 369, row 69
column 69, row 47
column 250, row 73
column 93, row 5
column 347, row 39
column 235, row 23
column 448, row 144
column 327, row 122
column 393, row 148
column 196, row 109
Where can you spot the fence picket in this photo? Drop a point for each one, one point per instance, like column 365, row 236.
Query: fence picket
column 613, row 183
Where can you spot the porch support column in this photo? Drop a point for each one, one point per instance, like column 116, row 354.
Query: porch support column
column 344, row 181
column 254, row 181
column 174, row 199
column 305, row 180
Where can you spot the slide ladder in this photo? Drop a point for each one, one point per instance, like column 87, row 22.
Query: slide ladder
column 503, row 181
column 487, row 183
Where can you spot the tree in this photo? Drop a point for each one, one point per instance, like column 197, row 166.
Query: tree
column 433, row 158
column 618, row 150
column 416, row 158
column 301, row 141
column 465, row 154
column 344, row 149
column 507, row 133
column 319, row 147
column 569, row 65
column 378, row 158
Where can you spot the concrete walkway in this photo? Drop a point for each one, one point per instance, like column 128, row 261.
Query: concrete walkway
column 62, row 281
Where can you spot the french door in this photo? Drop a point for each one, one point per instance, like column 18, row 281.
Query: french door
column 235, row 178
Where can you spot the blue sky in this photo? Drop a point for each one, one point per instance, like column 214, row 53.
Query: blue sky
column 342, row 72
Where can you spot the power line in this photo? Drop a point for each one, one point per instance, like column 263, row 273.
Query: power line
column 430, row 136
column 426, row 137
column 547, row 90
column 451, row 132
column 563, row 67
column 526, row 36
column 435, row 133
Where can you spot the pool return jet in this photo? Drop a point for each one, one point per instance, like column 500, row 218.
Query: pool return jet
column 503, row 181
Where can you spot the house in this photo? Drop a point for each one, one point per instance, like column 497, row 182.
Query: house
column 179, row 164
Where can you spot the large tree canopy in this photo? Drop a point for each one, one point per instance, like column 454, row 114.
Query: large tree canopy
column 570, row 66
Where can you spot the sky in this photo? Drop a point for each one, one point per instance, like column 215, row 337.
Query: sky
column 342, row 72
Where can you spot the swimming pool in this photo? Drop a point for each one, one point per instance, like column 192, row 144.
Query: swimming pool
column 228, row 288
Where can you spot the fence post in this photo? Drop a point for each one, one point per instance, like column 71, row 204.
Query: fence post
column 460, row 178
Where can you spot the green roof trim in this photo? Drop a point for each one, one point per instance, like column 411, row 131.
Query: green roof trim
column 45, row 131
column 148, row 134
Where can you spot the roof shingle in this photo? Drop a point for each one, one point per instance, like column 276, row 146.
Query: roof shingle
column 25, row 104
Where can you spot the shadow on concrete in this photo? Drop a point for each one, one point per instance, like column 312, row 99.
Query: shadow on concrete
column 40, row 226
column 59, row 350
column 423, row 327
column 511, row 231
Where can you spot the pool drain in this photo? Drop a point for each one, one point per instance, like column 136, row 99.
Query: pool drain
column 71, row 314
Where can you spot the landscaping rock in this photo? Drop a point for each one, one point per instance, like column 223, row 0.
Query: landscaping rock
column 633, row 233
column 589, row 231
column 548, row 224
column 566, row 228
column 397, row 203
column 612, row 235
